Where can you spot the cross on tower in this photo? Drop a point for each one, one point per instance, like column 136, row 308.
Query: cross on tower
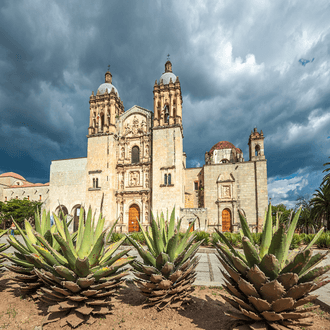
column 168, row 57
column 109, row 67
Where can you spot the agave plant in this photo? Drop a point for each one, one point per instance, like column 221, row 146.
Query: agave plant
column 80, row 280
column 269, row 287
column 21, row 264
column 3, row 247
column 168, row 270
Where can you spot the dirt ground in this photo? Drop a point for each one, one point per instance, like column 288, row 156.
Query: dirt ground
column 205, row 312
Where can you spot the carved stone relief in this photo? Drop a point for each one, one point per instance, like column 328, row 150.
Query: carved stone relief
column 226, row 192
column 134, row 178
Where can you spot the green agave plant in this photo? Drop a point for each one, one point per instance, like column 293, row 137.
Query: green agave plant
column 168, row 270
column 3, row 247
column 21, row 265
column 269, row 287
column 79, row 278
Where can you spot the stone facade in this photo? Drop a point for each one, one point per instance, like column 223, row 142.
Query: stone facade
column 135, row 163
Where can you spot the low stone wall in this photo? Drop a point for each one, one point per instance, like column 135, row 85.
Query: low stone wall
column 189, row 214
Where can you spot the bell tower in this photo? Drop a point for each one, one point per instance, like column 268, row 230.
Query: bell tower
column 168, row 160
column 167, row 99
column 256, row 145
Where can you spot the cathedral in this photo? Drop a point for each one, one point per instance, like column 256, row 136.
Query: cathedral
column 135, row 164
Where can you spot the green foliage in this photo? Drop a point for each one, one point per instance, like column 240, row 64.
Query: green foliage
column 233, row 238
column 283, row 213
column 323, row 241
column 296, row 241
column 257, row 238
column 115, row 237
column 18, row 209
column 202, row 236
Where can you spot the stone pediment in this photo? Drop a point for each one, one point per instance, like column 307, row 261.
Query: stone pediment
column 225, row 177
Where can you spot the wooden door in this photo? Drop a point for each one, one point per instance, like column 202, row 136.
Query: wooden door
column 134, row 212
column 226, row 220
column 192, row 228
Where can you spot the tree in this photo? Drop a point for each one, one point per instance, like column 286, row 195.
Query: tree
column 321, row 204
column 306, row 216
column 283, row 213
column 19, row 209
column 326, row 179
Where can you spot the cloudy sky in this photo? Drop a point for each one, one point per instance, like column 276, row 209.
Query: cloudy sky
column 241, row 64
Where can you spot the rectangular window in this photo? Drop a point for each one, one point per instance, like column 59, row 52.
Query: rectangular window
column 39, row 197
column 6, row 199
column 28, row 198
column 165, row 179
column 16, row 197
column 169, row 179
column 196, row 185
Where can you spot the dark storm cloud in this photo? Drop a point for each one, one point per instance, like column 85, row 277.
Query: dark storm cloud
column 238, row 65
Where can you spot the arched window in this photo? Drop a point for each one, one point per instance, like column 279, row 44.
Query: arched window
column 257, row 150
column 96, row 183
column 169, row 179
column 135, row 155
column 165, row 179
column 102, row 121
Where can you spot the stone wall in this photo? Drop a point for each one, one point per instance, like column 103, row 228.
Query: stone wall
column 189, row 214
column 67, row 183
column 191, row 195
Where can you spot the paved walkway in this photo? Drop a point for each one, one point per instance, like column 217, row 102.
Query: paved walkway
column 208, row 273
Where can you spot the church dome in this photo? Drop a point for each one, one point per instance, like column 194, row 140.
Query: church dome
column 166, row 77
column 168, row 74
column 108, row 86
column 224, row 145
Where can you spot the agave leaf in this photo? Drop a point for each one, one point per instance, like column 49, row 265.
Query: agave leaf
column 37, row 220
column 68, row 254
column 111, row 230
column 316, row 237
column 245, row 227
column 57, row 255
column 162, row 226
column 266, row 233
column 250, row 252
column 179, row 225
column 65, row 272
column 48, row 237
column 170, row 231
column 184, row 239
column 68, row 238
column 172, row 246
column 148, row 258
column 29, row 233
column 87, row 237
column 26, row 239
column 119, row 255
column 17, row 245
column 161, row 260
column 191, row 251
column 59, row 225
column 149, row 241
column 47, row 255
column 314, row 273
column 82, row 267
column 159, row 245
column 81, row 228
column 17, row 261
column 277, row 223
column 94, row 255
column 99, row 228
column 270, row 266
column 299, row 261
column 45, row 222
column 111, row 249
column 277, row 245
column 38, row 261
column 313, row 261
column 290, row 233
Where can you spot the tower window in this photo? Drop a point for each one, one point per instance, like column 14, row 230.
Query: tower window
column 94, row 183
column 196, row 185
column 97, row 183
column 169, row 179
column 165, row 179
column 257, row 150
column 135, row 155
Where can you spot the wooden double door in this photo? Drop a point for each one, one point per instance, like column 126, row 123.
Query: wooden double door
column 134, row 214
column 226, row 220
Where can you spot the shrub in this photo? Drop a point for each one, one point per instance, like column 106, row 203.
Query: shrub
column 200, row 235
column 296, row 241
column 257, row 238
column 323, row 241
column 115, row 237
column 215, row 238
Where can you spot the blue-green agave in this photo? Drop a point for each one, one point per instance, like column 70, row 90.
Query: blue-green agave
column 80, row 276
column 168, row 270
column 268, row 286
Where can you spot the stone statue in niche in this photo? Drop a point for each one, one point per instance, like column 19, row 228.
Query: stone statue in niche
column 147, row 150
column 226, row 191
column 147, row 180
column 135, row 127
column 134, row 178
column 127, row 128
column 122, row 152
column 143, row 126
column 147, row 216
